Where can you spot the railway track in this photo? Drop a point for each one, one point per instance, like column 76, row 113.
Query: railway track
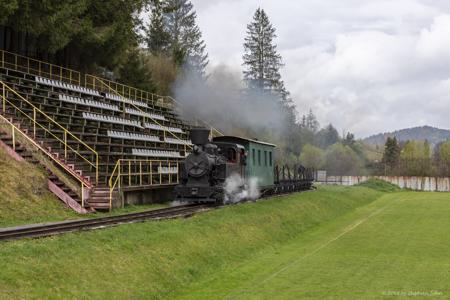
column 49, row 229
column 43, row 230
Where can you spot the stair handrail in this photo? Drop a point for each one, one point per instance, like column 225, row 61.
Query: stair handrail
column 38, row 67
column 186, row 145
column 117, row 173
column 74, row 77
column 149, row 96
column 15, row 129
column 52, row 121
column 89, row 82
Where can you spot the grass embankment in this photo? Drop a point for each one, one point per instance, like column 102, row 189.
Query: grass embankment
column 162, row 259
column 24, row 196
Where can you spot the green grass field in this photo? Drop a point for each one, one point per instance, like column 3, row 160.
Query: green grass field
column 397, row 246
column 367, row 242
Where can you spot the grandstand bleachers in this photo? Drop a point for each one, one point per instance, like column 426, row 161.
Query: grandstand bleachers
column 114, row 126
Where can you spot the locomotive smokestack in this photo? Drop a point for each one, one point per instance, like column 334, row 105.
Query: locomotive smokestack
column 199, row 136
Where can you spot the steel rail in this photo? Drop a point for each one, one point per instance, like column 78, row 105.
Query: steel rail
column 43, row 230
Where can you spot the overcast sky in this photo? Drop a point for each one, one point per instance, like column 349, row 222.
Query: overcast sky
column 366, row 66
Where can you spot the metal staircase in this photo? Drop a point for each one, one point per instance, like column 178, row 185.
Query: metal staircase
column 23, row 134
column 11, row 141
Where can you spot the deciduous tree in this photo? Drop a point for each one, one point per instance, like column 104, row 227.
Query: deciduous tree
column 312, row 157
column 416, row 159
column 342, row 160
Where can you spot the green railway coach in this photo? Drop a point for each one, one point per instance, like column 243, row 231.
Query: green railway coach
column 260, row 158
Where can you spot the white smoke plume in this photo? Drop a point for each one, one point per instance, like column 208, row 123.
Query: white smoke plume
column 237, row 189
column 222, row 102
column 176, row 203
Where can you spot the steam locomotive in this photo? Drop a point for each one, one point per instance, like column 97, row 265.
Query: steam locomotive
column 225, row 168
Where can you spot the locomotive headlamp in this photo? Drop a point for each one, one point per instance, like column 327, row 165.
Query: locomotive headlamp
column 196, row 149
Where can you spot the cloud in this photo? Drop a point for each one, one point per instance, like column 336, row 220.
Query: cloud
column 366, row 66
column 373, row 81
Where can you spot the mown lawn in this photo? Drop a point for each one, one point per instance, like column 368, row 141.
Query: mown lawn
column 394, row 248
column 178, row 258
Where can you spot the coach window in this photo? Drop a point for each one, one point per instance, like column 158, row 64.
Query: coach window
column 232, row 155
column 254, row 157
column 259, row 157
column 270, row 158
column 265, row 158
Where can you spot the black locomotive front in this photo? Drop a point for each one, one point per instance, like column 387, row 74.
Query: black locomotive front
column 204, row 171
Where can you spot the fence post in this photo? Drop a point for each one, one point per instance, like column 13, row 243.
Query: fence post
column 82, row 194
column 129, row 173
column 34, row 122
column 120, row 175
column 140, row 172
column 4, row 98
column 151, row 173
column 65, row 145
column 13, row 138
column 110, row 198
column 96, row 168
column 160, row 174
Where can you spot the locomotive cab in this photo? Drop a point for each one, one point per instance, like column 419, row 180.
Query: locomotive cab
column 235, row 156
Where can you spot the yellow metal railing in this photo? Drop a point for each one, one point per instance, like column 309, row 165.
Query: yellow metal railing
column 51, row 71
column 37, row 67
column 142, row 172
column 129, row 92
column 101, row 85
column 66, row 138
column 15, row 130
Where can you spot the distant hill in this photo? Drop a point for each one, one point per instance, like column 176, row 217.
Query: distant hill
column 432, row 134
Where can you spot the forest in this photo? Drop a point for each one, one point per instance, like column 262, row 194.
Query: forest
column 157, row 46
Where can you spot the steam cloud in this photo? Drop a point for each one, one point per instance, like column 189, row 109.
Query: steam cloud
column 222, row 102
column 236, row 189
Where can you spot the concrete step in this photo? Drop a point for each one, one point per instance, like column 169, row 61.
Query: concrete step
column 100, row 206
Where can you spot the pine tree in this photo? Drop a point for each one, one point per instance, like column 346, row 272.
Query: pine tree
column 349, row 139
column 327, row 137
column 303, row 122
column 157, row 38
column 311, row 122
column 261, row 61
column 186, row 43
column 391, row 154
